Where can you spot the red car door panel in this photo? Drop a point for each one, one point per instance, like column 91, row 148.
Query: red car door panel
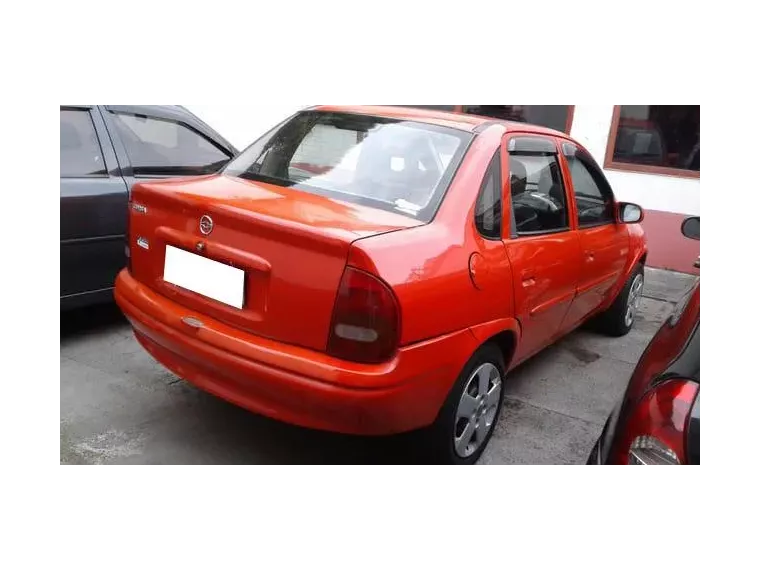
column 543, row 250
column 545, row 270
column 605, row 251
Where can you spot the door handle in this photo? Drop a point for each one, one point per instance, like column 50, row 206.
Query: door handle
column 590, row 256
column 528, row 282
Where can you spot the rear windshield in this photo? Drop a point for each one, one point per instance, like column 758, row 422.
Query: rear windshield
column 399, row 166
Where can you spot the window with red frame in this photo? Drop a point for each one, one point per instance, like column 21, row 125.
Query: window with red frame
column 655, row 138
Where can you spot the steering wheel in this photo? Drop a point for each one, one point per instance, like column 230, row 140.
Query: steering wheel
column 547, row 200
column 592, row 212
column 536, row 201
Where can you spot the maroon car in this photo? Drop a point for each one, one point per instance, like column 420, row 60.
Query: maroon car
column 657, row 422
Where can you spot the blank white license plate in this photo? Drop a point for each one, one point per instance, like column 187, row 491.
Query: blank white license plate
column 203, row 276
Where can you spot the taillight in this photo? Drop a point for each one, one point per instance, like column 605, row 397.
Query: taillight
column 142, row 242
column 655, row 433
column 128, row 243
column 365, row 321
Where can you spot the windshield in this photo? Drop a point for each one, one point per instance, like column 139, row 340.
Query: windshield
column 399, row 166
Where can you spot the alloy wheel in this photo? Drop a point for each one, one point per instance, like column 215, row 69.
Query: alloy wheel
column 477, row 409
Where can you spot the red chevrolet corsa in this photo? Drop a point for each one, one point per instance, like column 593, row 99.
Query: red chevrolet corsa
column 375, row 270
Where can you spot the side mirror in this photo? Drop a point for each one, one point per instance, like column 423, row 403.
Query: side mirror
column 690, row 228
column 630, row 213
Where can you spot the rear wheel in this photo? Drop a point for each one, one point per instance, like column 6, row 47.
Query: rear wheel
column 618, row 320
column 467, row 420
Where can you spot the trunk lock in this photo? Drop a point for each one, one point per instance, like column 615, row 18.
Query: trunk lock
column 200, row 247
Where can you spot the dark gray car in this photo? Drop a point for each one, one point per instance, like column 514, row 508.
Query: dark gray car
column 105, row 149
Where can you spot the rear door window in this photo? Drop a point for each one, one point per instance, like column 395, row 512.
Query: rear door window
column 538, row 196
column 158, row 146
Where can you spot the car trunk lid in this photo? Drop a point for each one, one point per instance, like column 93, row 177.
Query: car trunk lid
column 288, row 247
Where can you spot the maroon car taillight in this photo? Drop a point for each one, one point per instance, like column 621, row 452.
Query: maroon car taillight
column 128, row 243
column 655, row 433
column 132, row 240
column 365, row 322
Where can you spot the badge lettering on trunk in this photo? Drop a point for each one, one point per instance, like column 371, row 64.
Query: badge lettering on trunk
column 206, row 225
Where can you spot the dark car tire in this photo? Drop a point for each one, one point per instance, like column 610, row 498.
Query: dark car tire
column 593, row 457
column 614, row 321
column 440, row 437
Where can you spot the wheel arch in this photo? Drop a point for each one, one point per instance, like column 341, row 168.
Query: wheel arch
column 507, row 342
column 639, row 258
column 504, row 333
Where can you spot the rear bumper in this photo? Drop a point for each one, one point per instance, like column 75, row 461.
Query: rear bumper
column 293, row 384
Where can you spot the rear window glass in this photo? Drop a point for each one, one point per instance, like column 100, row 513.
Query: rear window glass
column 399, row 166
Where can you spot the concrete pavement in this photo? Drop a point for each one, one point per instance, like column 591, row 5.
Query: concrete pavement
column 118, row 406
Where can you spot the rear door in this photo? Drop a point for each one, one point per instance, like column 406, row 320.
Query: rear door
column 542, row 246
column 604, row 243
column 93, row 205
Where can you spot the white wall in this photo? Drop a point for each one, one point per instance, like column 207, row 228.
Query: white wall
column 591, row 128
column 243, row 124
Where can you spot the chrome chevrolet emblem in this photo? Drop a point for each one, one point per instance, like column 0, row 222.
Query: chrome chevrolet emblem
column 207, row 225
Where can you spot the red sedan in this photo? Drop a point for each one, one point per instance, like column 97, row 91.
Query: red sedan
column 376, row 270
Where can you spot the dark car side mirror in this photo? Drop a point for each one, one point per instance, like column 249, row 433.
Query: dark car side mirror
column 630, row 213
column 690, row 228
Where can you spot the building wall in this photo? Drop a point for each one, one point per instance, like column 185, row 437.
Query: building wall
column 666, row 199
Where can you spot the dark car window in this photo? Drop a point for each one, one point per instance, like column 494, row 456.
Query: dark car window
column 488, row 208
column 80, row 150
column 539, row 204
column 161, row 146
column 595, row 202
column 398, row 166
column 552, row 116
column 449, row 108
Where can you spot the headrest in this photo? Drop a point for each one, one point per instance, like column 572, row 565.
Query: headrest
column 518, row 175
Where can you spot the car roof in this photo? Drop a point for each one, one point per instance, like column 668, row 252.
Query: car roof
column 460, row 121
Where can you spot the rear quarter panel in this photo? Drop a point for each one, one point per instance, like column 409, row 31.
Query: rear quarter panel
column 429, row 275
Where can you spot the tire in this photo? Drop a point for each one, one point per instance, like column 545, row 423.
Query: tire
column 616, row 321
column 440, row 439
column 593, row 457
